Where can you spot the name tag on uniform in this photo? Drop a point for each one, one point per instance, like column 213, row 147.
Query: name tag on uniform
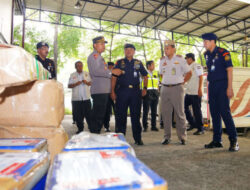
column 173, row 71
column 135, row 74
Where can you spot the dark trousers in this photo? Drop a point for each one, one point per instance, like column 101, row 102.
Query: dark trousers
column 110, row 105
column 219, row 108
column 129, row 97
column 149, row 103
column 81, row 110
column 98, row 112
column 194, row 120
column 73, row 112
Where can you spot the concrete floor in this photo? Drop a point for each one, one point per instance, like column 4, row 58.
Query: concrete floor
column 191, row 167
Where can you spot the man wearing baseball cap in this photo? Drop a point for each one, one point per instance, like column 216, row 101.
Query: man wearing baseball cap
column 220, row 91
column 175, row 72
column 101, row 83
column 42, row 53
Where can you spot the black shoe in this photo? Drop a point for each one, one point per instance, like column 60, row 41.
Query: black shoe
column 190, row 128
column 107, row 130
column 214, row 144
column 145, row 130
column 154, row 129
column 198, row 133
column 140, row 143
column 165, row 142
column 74, row 122
column 183, row 142
column 234, row 146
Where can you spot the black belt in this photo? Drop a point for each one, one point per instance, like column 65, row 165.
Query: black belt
column 171, row 85
column 137, row 86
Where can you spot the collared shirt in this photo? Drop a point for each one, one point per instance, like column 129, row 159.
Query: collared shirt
column 133, row 69
column 192, row 85
column 99, row 73
column 49, row 65
column 217, row 63
column 82, row 91
column 173, row 70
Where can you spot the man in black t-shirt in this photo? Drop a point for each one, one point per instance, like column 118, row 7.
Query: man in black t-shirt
column 42, row 51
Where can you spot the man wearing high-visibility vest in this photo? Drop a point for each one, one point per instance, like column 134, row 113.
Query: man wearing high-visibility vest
column 152, row 97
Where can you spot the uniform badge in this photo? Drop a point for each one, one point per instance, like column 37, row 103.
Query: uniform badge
column 173, row 72
column 216, row 56
column 105, row 67
column 227, row 57
column 176, row 62
column 221, row 50
column 123, row 64
column 95, row 56
column 137, row 65
column 212, row 68
column 164, row 64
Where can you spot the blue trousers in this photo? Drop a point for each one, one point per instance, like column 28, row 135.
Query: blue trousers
column 220, row 108
column 129, row 98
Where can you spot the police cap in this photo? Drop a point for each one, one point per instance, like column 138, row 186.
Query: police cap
column 41, row 44
column 99, row 39
column 129, row 46
column 209, row 36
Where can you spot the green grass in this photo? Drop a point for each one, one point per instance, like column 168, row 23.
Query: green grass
column 68, row 111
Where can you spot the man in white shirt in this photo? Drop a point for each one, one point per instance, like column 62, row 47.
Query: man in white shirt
column 173, row 68
column 80, row 81
column 193, row 95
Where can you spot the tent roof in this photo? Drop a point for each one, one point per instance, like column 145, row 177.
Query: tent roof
column 229, row 19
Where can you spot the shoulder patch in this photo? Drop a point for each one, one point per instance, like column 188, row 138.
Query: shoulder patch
column 95, row 55
column 224, row 54
column 162, row 57
column 221, row 50
column 227, row 57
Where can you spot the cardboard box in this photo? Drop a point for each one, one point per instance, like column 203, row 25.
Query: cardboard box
column 18, row 67
column 56, row 137
column 37, row 104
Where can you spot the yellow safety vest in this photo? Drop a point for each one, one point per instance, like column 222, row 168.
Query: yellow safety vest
column 153, row 81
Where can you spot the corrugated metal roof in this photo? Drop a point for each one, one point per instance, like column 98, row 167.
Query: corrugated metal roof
column 229, row 19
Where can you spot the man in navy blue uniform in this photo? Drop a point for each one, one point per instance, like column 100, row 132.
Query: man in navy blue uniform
column 125, row 89
column 42, row 53
column 220, row 76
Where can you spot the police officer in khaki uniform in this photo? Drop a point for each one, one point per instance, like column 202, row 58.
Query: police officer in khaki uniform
column 101, row 83
column 194, row 95
column 173, row 68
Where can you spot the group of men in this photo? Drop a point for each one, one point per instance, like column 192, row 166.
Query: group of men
column 127, row 83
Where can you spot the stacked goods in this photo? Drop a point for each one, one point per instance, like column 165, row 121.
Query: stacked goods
column 107, row 169
column 22, row 170
column 30, row 107
column 56, row 137
column 18, row 67
column 23, row 145
column 36, row 104
column 86, row 141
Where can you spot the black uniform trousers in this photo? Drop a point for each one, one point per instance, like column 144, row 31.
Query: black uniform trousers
column 194, row 120
column 110, row 105
column 149, row 102
column 128, row 97
column 98, row 112
column 220, row 108
column 81, row 110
